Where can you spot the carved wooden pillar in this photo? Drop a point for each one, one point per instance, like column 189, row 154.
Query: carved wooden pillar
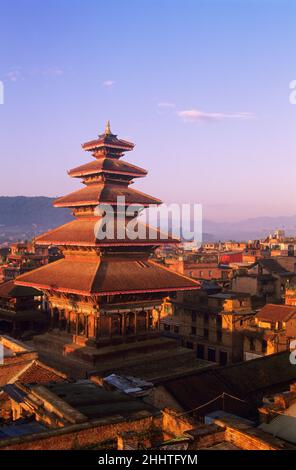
column 158, row 320
column 135, row 326
column 123, row 325
column 76, row 324
column 67, row 316
column 60, row 319
column 96, row 325
column 110, row 326
column 86, row 326
column 51, row 318
column 99, row 326
column 97, row 322
column 147, row 320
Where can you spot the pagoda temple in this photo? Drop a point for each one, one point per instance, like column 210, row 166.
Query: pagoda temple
column 105, row 289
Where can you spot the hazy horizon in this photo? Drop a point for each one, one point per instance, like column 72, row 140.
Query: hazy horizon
column 206, row 212
column 202, row 88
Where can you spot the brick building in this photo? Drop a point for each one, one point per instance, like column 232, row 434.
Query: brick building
column 270, row 331
column 20, row 310
column 210, row 324
column 266, row 278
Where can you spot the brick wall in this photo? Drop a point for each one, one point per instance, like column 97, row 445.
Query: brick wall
column 174, row 424
column 247, row 441
column 83, row 435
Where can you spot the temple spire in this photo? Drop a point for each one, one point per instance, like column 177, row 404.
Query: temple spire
column 107, row 144
column 108, row 128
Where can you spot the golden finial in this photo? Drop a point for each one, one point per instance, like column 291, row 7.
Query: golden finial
column 108, row 128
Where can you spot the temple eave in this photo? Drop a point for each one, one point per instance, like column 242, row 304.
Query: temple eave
column 106, row 276
column 107, row 165
column 77, row 203
column 81, row 232
column 106, row 244
column 99, row 193
column 66, row 290
column 121, row 145
column 78, row 174
column 95, row 203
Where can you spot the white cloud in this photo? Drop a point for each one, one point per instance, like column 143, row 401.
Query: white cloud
column 108, row 83
column 47, row 71
column 14, row 74
column 195, row 115
column 166, row 104
column 57, row 71
column 19, row 73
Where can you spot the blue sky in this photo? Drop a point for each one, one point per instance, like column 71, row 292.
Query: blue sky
column 201, row 87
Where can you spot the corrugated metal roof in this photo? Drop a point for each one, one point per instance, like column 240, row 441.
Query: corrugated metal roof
column 20, row 429
column 15, row 393
column 283, row 427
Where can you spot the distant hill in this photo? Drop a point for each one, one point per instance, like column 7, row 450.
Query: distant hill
column 24, row 217
column 21, row 211
column 248, row 229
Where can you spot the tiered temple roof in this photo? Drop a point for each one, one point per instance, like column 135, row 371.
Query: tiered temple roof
column 81, row 232
column 96, row 193
column 108, row 144
column 107, row 276
column 108, row 166
column 110, row 265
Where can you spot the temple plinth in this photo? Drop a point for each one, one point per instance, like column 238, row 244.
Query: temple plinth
column 105, row 290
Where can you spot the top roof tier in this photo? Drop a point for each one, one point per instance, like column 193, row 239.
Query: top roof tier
column 106, row 178
column 108, row 145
